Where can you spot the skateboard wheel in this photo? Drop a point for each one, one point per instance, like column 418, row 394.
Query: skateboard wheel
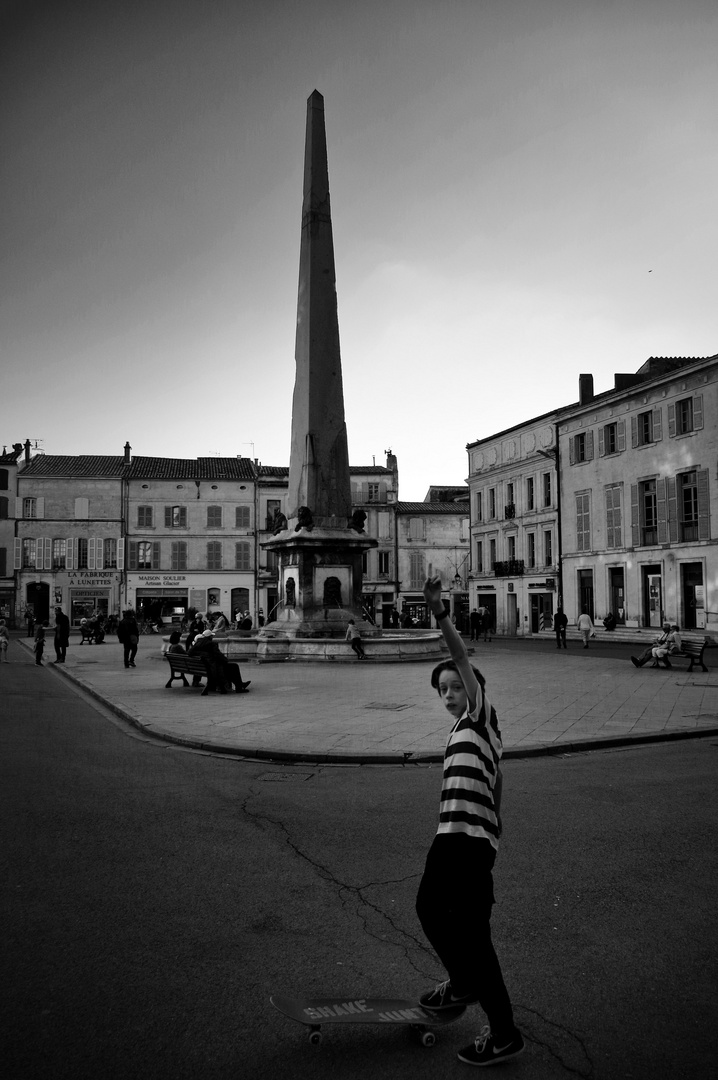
column 428, row 1038
column 315, row 1037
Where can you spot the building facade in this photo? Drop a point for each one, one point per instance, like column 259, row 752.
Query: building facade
column 8, row 495
column 640, row 498
column 515, row 541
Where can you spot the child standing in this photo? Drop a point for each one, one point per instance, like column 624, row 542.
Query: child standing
column 39, row 646
column 456, row 892
column 354, row 637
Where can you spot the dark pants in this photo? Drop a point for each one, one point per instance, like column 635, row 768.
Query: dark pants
column 454, row 904
column 130, row 652
column 560, row 636
column 357, row 646
column 60, row 651
column 39, row 650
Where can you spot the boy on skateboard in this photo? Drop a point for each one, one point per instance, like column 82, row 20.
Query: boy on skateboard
column 456, row 892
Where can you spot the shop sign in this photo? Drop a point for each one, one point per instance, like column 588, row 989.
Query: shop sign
column 160, row 579
column 99, row 577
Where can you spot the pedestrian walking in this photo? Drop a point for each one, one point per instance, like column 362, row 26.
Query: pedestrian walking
column 475, row 624
column 456, row 892
column 560, row 622
column 354, row 637
column 39, row 646
column 128, row 633
column 585, row 627
column 4, row 640
column 486, row 622
column 62, row 636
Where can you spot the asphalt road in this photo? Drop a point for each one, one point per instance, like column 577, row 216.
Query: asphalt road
column 155, row 897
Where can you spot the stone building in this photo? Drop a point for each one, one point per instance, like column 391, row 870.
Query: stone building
column 514, row 526
column 432, row 537
column 8, row 494
column 640, row 497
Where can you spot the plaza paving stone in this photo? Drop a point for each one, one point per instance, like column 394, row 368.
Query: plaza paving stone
column 358, row 712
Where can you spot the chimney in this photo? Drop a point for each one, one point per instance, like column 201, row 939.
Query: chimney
column 128, row 454
column 27, row 451
column 585, row 389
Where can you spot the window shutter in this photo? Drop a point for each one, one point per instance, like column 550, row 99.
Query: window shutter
column 617, row 516
column 168, row 517
column 609, row 518
column 155, row 555
column 662, row 511
column 698, row 412
column 672, row 509
column 621, row 435
column 40, row 507
column 17, row 561
column 48, row 553
column 671, row 421
column 91, row 544
column 69, row 563
column 601, row 442
column 99, row 554
column 572, row 450
column 133, row 555
column 657, row 425
column 589, row 445
column 635, row 519
column 120, row 553
column 18, row 507
column 704, row 522
column 183, row 516
column 634, row 431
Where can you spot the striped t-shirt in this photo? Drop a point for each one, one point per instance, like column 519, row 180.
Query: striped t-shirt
column 471, row 763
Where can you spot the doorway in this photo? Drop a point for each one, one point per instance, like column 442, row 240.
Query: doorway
column 617, row 589
column 652, row 596
column 541, row 612
column 512, row 614
column 694, row 613
column 585, row 592
column 38, row 600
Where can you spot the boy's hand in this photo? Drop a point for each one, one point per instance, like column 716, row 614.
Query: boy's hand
column 432, row 590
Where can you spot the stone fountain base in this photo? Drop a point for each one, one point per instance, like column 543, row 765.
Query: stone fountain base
column 392, row 647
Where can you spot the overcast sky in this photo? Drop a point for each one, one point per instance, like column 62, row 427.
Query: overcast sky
column 522, row 190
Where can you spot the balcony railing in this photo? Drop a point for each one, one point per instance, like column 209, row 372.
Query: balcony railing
column 510, row 510
column 509, row 568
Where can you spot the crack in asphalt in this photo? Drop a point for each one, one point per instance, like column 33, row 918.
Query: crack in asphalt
column 532, row 1020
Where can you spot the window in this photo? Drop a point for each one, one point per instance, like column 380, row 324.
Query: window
column 175, row 517
column 28, row 554
column 273, row 505
column 546, row 479
column 530, row 495
column 479, row 563
column 547, row 548
column 613, row 516
column 144, row 555
column 646, row 427
column 29, row 508
column 384, row 563
column 178, row 555
column 241, row 517
column 372, row 492
column 579, row 447
column 417, row 575
column 214, row 519
column 509, row 493
column 3, row 508
column 492, row 554
column 4, row 480
column 144, row 517
column 81, row 558
column 109, row 554
column 688, row 495
column 214, row 555
column 531, row 538
column 648, row 504
column 242, row 560
column 492, row 502
column 512, row 548
column 365, row 564
column 59, row 553
column 384, row 520
column 583, row 522
column 610, row 438
column 685, row 416
column 479, row 509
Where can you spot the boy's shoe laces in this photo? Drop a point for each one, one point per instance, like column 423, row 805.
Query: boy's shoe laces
column 482, row 1038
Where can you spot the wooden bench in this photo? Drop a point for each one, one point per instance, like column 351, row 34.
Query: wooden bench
column 182, row 665
column 693, row 649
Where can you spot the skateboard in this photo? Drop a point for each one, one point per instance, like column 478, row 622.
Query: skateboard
column 315, row 1012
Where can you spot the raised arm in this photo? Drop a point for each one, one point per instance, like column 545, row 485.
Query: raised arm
column 456, row 646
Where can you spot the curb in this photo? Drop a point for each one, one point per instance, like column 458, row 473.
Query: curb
column 306, row 758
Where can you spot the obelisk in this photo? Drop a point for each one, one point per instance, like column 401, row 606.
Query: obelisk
column 320, row 545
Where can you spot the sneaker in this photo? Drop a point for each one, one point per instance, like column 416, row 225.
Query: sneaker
column 635, row 661
column 442, row 997
column 485, row 1051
